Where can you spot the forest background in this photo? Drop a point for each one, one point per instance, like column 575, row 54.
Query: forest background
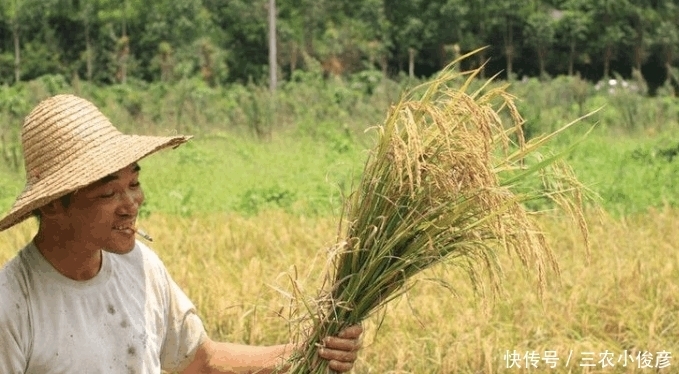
column 107, row 42
column 257, row 192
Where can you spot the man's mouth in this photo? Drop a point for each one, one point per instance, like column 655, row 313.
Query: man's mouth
column 129, row 229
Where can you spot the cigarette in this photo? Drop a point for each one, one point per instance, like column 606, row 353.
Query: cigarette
column 143, row 234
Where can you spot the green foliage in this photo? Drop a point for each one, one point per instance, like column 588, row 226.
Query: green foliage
column 311, row 154
column 630, row 175
column 226, row 42
column 275, row 197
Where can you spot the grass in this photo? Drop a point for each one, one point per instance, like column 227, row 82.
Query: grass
column 235, row 219
column 236, row 269
column 307, row 177
column 234, row 264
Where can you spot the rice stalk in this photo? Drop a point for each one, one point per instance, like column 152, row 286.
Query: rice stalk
column 444, row 183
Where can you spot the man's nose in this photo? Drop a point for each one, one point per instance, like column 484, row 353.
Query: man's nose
column 131, row 201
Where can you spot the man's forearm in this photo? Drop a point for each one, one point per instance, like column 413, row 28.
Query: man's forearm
column 248, row 359
column 229, row 358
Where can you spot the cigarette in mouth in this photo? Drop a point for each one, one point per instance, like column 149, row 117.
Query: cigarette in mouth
column 143, row 234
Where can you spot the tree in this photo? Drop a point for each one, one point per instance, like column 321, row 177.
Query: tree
column 273, row 65
column 409, row 27
column 667, row 36
column 291, row 29
column 375, row 31
column 643, row 19
column 510, row 17
column 26, row 22
column 612, row 31
column 241, row 29
column 66, row 14
column 13, row 10
column 539, row 34
column 116, row 17
column 87, row 15
column 573, row 25
column 477, row 34
column 451, row 18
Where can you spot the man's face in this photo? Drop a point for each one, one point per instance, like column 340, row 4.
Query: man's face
column 102, row 215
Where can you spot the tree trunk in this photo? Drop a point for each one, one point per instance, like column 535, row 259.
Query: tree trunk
column 88, row 51
column 671, row 80
column 272, row 46
column 122, row 55
column 510, row 57
column 309, row 28
column 124, row 18
column 571, row 59
column 411, row 62
column 668, row 69
column 293, row 56
column 639, row 46
column 17, row 52
column 384, row 64
column 123, row 78
column 509, row 47
column 541, row 61
column 126, row 50
column 638, row 51
column 608, row 53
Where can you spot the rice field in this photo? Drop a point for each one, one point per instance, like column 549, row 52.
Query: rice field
column 620, row 304
column 250, row 247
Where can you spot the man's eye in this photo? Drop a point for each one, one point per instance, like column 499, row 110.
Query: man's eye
column 135, row 184
column 106, row 196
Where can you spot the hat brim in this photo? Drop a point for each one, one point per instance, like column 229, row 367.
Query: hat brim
column 119, row 151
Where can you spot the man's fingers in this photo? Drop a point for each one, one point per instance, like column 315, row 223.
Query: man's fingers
column 336, row 355
column 340, row 367
column 341, row 350
column 351, row 332
column 332, row 342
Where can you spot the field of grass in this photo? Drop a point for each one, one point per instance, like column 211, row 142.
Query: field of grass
column 237, row 270
column 259, row 211
column 235, row 219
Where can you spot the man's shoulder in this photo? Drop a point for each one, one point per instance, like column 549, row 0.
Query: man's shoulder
column 14, row 280
column 148, row 254
column 144, row 256
column 13, row 274
column 16, row 335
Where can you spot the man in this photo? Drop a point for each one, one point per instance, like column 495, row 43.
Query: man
column 84, row 296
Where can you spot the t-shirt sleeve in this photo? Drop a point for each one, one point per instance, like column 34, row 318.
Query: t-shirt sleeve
column 13, row 326
column 185, row 331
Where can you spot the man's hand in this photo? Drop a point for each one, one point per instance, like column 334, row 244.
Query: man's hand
column 228, row 358
column 342, row 350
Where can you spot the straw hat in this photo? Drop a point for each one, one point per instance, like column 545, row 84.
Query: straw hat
column 68, row 144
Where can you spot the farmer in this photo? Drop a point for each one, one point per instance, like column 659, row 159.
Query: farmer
column 84, row 296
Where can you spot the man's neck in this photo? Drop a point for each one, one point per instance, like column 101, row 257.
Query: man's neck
column 70, row 259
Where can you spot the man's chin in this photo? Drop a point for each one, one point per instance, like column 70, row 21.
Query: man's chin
column 118, row 249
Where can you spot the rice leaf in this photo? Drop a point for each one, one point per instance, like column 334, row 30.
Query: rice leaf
column 432, row 192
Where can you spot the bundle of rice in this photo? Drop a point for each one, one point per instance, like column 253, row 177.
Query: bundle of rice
column 444, row 182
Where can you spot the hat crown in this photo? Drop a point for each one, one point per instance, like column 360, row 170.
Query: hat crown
column 58, row 129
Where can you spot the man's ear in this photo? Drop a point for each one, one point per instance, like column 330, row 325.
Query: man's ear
column 52, row 209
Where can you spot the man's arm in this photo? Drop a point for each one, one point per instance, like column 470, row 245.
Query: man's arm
column 15, row 330
column 227, row 358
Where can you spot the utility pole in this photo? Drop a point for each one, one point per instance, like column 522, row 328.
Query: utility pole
column 272, row 45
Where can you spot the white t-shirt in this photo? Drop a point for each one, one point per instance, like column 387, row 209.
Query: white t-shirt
column 130, row 318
